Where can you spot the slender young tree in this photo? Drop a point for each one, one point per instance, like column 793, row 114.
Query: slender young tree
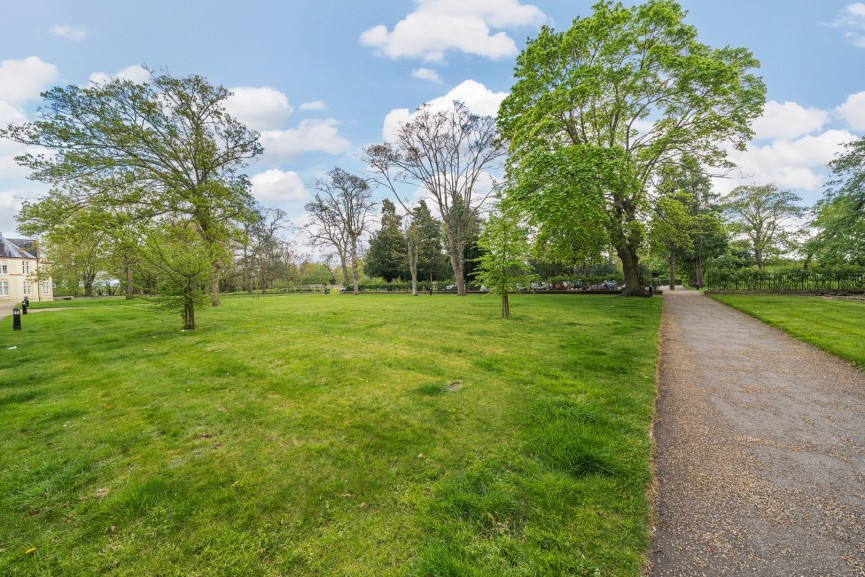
column 340, row 214
column 179, row 259
column 504, row 265
column 449, row 154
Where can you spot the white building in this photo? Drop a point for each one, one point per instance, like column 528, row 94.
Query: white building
column 22, row 274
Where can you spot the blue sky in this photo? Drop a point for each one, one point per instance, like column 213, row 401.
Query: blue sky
column 321, row 79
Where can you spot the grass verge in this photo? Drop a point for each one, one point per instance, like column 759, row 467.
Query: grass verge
column 313, row 435
column 835, row 325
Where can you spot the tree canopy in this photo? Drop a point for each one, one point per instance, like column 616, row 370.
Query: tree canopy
column 387, row 256
column 340, row 215
column 163, row 149
column 448, row 153
column 840, row 215
column 598, row 109
column 765, row 215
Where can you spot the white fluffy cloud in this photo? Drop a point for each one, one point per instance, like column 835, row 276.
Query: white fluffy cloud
column 259, row 108
column 437, row 26
column 477, row 97
column 136, row 73
column 788, row 120
column 73, row 33
column 853, row 111
column 23, row 80
column 20, row 81
column 277, row 185
column 427, row 74
column 9, row 207
column 314, row 105
column 309, row 136
column 852, row 20
column 9, row 114
column 790, row 163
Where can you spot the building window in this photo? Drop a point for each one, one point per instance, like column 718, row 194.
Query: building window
column 25, row 266
column 4, row 288
column 27, row 288
column 46, row 287
column 4, row 267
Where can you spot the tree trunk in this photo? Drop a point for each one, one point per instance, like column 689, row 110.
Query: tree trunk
column 412, row 263
column 88, row 283
column 354, row 268
column 698, row 271
column 130, row 287
column 506, row 307
column 343, row 261
column 672, row 270
column 628, row 256
column 189, row 306
column 455, row 251
column 214, row 286
column 247, row 278
column 458, row 276
column 759, row 255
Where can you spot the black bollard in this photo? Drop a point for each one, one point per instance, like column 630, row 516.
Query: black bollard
column 16, row 319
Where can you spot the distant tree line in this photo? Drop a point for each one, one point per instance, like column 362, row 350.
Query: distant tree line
column 599, row 162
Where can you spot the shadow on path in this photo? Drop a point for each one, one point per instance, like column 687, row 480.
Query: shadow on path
column 760, row 450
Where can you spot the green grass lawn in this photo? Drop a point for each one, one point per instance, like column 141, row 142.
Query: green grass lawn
column 834, row 325
column 329, row 435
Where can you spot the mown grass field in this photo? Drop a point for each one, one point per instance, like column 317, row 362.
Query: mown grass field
column 837, row 326
column 329, row 435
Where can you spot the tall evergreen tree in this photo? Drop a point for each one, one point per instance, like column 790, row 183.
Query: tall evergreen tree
column 387, row 255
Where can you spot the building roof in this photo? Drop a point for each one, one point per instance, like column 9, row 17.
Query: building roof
column 17, row 247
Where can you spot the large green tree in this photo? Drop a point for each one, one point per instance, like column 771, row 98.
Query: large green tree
column 840, row 215
column 162, row 149
column 766, row 216
column 598, row 109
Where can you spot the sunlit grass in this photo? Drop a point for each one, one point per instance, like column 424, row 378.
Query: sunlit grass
column 338, row 435
column 837, row 326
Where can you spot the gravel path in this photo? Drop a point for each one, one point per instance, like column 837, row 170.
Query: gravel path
column 6, row 310
column 760, row 450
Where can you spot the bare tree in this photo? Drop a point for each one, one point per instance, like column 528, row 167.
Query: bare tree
column 446, row 152
column 266, row 242
column 340, row 215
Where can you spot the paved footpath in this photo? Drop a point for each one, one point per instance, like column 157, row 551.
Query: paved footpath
column 760, row 450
